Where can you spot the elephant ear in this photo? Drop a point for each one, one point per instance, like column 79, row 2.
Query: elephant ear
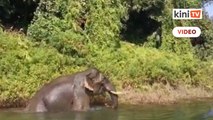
column 86, row 85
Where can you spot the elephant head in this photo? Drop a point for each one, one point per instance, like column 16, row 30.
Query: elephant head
column 98, row 83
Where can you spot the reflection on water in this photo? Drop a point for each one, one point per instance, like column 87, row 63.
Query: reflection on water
column 97, row 114
column 185, row 111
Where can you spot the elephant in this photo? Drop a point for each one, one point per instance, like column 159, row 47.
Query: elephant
column 71, row 92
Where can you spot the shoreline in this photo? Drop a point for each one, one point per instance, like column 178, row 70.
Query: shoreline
column 165, row 95
column 156, row 94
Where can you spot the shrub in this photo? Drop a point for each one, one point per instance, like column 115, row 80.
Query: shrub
column 25, row 67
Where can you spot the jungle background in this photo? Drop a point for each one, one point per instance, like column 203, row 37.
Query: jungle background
column 130, row 41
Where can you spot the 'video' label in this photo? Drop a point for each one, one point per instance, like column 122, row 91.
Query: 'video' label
column 186, row 31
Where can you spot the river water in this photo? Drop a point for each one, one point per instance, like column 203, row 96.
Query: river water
column 200, row 110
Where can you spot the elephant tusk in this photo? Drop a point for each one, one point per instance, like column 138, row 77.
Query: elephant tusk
column 116, row 93
column 86, row 85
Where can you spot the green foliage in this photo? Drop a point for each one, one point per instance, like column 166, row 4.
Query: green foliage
column 135, row 66
column 25, row 67
column 101, row 21
column 206, row 53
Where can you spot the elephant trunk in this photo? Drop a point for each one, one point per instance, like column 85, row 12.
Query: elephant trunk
column 114, row 97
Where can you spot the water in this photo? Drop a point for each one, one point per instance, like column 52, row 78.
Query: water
column 183, row 111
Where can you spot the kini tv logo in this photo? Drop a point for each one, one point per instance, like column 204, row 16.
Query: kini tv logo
column 187, row 13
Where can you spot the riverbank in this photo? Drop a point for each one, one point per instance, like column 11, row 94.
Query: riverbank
column 165, row 94
column 155, row 94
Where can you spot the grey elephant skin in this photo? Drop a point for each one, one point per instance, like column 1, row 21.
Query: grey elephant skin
column 72, row 92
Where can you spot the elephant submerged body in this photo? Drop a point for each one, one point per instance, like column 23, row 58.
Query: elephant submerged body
column 56, row 96
column 72, row 92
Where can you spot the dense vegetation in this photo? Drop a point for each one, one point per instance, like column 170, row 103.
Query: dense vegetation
column 66, row 36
